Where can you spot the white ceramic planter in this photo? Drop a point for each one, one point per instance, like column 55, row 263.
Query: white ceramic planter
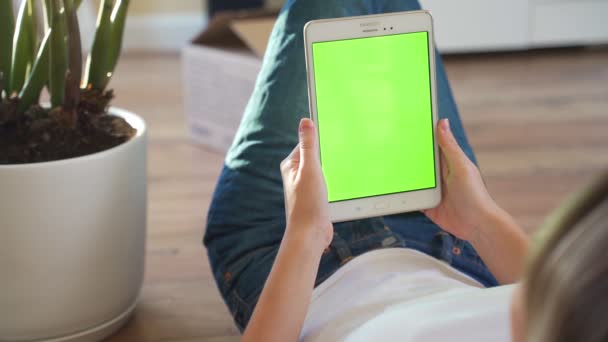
column 72, row 243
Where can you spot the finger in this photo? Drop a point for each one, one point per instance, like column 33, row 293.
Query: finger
column 308, row 142
column 449, row 146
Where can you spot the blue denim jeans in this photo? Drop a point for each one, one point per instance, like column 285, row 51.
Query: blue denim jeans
column 246, row 219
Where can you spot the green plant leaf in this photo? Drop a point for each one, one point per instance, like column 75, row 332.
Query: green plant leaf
column 58, row 53
column 7, row 29
column 24, row 45
column 2, row 92
column 107, row 43
column 38, row 77
column 74, row 76
column 98, row 56
column 46, row 11
column 46, row 8
column 118, row 30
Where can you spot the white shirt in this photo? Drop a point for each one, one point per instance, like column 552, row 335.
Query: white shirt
column 401, row 294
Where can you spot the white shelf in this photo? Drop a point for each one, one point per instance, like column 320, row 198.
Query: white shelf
column 569, row 22
column 491, row 25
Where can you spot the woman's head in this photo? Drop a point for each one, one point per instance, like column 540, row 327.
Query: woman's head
column 564, row 296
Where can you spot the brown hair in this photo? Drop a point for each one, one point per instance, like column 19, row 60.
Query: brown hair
column 566, row 289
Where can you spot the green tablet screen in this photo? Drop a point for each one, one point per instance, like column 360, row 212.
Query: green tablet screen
column 374, row 112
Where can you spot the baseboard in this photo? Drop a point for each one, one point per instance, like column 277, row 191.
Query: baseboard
column 163, row 32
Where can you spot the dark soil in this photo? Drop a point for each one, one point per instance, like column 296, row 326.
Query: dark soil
column 42, row 135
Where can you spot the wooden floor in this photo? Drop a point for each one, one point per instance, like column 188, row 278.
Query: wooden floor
column 538, row 122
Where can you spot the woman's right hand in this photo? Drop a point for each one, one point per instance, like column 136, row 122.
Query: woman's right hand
column 307, row 210
column 465, row 199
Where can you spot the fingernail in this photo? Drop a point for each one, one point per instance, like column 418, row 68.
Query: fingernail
column 305, row 124
column 445, row 125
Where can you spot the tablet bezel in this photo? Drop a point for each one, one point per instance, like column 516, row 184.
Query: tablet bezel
column 373, row 26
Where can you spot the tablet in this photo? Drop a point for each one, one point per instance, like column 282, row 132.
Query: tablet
column 372, row 95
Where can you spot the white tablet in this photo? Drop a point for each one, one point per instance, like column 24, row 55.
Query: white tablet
column 372, row 94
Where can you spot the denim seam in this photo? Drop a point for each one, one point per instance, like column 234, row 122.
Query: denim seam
column 368, row 237
column 239, row 308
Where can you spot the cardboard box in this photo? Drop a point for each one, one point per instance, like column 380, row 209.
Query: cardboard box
column 220, row 67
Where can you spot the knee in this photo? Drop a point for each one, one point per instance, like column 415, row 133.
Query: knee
column 306, row 10
column 295, row 13
column 288, row 4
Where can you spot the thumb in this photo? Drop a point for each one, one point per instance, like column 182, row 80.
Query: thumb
column 449, row 146
column 308, row 141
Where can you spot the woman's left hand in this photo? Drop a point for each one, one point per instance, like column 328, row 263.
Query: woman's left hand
column 306, row 205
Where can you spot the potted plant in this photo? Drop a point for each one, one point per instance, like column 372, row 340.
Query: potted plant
column 72, row 178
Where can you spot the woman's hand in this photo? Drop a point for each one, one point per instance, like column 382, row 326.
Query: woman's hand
column 281, row 309
column 469, row 213
column 306, row 206
column 465, row 200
